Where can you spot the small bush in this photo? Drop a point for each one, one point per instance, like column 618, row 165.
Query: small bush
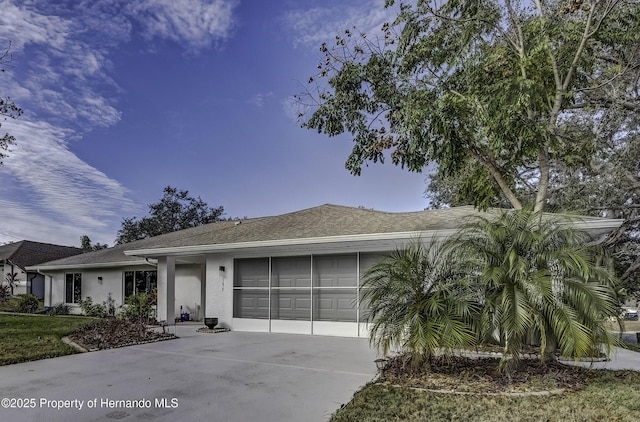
column 91, row 309
column 5, row 292
column 139, row 306
column 28, row 304
column 60, row 309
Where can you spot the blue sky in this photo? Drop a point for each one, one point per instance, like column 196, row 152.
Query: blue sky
column 124, row 97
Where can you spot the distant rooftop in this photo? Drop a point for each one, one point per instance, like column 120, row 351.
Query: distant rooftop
column 27, row 253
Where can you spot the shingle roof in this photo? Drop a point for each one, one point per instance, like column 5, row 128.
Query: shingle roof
column 26, row 253
column 322, row 221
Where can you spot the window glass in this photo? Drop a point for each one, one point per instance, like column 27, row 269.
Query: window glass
column 139, row 282
column 73, row 287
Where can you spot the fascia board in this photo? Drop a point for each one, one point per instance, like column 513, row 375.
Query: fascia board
column 89, row 265
column 188, row 250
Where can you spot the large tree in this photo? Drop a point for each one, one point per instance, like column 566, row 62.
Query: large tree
column 498, row 93
column 8, row 109
column 175, row 211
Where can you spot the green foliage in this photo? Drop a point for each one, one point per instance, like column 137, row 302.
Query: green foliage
column 418, row 302
column 28, row 304
column 12, row 280
column 87, row 246
column 539, row 277
column 91, row 309
column 505, row 92
column 513, row 279
column 60, row 309
column 139, row 306
column 175, row 211
column 5, row 292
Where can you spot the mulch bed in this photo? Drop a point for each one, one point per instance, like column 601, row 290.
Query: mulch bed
column 111, row 332
column 481, row 375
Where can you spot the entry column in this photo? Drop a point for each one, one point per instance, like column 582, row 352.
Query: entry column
column 167, row 289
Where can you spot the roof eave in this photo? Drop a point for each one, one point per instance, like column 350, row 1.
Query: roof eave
column 223, row 247
column 599, row 226
column 87, row 265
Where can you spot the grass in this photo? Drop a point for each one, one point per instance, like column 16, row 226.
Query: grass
column 607, row 396
column 31, row 337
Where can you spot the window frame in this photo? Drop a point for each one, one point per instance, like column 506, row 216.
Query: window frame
column 76, row 287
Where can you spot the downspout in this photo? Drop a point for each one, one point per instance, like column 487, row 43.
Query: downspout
column 31, row 283
column 151, row 263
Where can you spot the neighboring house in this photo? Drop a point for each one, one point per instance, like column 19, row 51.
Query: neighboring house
column 16, row 257
column 291, row 273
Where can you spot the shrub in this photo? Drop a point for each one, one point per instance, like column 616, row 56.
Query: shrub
column 60, row 309
column 139, row 306
column 28, row 304
column 5, row 292
column 91, row 309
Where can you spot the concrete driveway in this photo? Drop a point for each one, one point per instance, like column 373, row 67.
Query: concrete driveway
column 200, row 377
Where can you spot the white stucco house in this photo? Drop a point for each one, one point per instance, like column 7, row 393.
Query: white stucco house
column 16, row 257
column 292, row 273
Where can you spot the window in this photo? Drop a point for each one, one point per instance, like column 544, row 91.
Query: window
column 139, row 282
column 73, row 288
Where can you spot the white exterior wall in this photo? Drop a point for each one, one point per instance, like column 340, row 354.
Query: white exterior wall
column 188, row 291
column 21, row 285
column 187, row 286
column 219, row 289
column 98, row 290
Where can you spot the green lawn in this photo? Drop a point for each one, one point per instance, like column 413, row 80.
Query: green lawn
column 32, row 337
column 608, row 396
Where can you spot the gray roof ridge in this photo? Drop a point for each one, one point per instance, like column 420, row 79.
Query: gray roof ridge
column 16, row 250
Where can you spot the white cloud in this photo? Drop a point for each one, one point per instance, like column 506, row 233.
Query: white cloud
column 199, row 23
column 312, row 27
column 259, row 99
column 23, row 25
column 61, row 77
column 58, row 184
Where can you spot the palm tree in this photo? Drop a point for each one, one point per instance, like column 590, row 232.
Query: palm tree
column 539, row 276
column 418, row 302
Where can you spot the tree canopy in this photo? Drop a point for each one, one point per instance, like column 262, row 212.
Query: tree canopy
column 8, row 109
column 501, row 95
column 176, row 210
column 87, row 246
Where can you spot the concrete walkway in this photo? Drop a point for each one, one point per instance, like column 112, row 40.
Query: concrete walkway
column 620, row 359
column 231, row 376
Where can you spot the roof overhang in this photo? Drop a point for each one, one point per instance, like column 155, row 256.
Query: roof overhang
column 327, row 242
column 88, row 265
column 363, row 242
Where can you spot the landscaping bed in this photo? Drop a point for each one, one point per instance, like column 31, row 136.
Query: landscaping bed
column 481, row 375
column 111, row 332
column 470, row 389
